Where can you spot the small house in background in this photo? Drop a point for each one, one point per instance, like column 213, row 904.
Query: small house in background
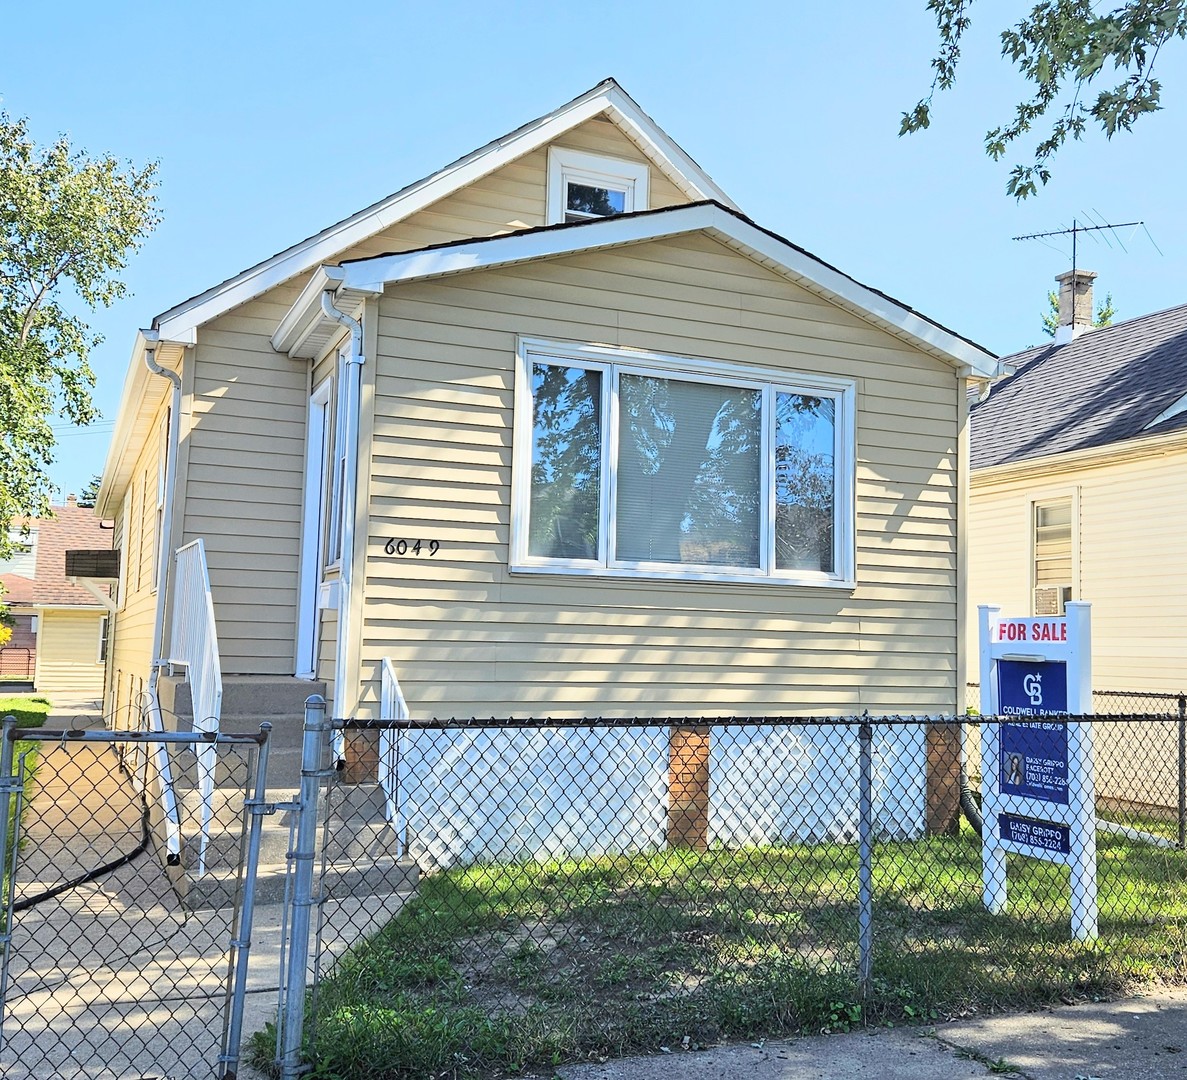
column 60, row 625
column 556, row 430
column 1079, row 461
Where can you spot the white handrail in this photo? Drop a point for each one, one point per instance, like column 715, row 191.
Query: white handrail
column 194, row 643
column 392, row 706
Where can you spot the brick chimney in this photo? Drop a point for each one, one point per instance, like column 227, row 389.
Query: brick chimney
column 1075, row 304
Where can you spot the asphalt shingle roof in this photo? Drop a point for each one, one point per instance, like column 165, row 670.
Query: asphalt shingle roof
column 1104, row 387
column 72, row 528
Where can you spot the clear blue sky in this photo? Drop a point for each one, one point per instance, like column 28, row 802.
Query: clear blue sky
column 273, row 120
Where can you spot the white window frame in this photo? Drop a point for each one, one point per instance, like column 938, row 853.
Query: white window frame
column 612, row 362
column 1034, row 501
column 630, row 177
column 101, row 655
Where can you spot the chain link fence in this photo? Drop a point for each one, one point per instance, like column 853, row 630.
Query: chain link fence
column 125, row 924
column 552, row 891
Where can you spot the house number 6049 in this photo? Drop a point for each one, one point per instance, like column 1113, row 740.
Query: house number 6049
column 412, row 547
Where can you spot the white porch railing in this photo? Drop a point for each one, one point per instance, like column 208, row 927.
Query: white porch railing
column 194, row 643
column 392, row 706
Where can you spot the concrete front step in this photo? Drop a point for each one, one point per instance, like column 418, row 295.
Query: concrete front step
column 216, row 888
column 248, row 700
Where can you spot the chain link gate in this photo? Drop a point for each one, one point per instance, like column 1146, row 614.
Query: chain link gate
column 127, row 909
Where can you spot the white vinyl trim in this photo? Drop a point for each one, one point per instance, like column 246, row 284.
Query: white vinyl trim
column 373, row 275
column 313, row 529
column 564, row 165
column 612, row 362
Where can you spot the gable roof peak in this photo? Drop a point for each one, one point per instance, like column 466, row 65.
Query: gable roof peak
column 180, row 323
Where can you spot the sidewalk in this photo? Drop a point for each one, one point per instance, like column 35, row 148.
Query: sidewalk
column 1140, row 1038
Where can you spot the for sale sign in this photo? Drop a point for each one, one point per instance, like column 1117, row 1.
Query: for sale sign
column 1038, row 795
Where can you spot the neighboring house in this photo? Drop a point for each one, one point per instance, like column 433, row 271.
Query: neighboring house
column 556, row 430
column 1079, row 461
column 59, row 627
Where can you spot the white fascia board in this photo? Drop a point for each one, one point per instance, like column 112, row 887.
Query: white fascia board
column 685, row 173
column 970, row 359
column 135, row 387
column 134, row 383
column 302, row 316
column 373, row 274
column 605, row 98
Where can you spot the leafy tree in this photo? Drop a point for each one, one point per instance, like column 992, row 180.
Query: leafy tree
column 67, row 225
column 1104, row 314
column 1061, row 48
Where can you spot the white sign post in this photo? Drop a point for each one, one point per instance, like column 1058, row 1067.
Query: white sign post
column 1038, row 793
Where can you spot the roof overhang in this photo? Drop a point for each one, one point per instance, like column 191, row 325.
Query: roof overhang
column 297, row 336
column 134, row 417
column 1050, row 466
column 180, row 322
column 305, row 331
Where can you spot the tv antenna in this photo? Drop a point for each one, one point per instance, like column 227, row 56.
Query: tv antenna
column 1077, row 228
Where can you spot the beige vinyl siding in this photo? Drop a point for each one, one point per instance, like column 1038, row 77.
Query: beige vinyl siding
column 470, row 638
column 136, row 538
column 1130, row 567
column 244, row 425
column 68, row 653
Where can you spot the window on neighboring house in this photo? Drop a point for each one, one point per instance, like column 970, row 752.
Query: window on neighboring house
column 638, row 464
column 1052, row 544
column 585, row 186
column 23, row 560
column 104, row 629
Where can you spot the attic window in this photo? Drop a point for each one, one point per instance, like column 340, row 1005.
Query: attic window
column 583, row 186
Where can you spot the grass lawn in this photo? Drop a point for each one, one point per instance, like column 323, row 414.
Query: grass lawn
column 492, row 970
column 30, row 712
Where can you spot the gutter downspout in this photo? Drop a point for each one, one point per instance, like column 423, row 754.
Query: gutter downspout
column 164, row 562
column 347, row 706
column 151, row 338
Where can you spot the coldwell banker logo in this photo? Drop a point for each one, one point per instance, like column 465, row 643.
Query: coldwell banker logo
column 1032, row 687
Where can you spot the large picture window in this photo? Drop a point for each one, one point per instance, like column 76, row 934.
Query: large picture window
column 631, row 463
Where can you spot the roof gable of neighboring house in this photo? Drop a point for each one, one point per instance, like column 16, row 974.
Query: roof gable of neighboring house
column 1108, row 386
column 73, row 528
column 306, row 330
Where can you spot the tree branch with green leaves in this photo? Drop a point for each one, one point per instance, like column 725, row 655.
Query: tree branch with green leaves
column 68, row 224
column 1062, row 48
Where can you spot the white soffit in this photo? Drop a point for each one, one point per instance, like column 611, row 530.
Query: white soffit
column 607, row 97
column 371, row 276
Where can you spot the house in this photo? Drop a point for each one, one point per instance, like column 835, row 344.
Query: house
column 1077, row 488
column 60, row 626
column 555, row 430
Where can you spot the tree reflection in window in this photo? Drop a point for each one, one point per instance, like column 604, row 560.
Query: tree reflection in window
column 566, row 462
column 688, row 472
column 585, row 200
column 805, row 455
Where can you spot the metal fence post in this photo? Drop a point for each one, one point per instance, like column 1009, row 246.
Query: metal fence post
column 257, row 807
column 9, row 785
column 865, row 849
column 1182, row 772
column 292, row 1018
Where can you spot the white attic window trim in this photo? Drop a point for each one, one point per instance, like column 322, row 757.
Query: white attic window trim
column 1174, row 409
column 630, row 179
